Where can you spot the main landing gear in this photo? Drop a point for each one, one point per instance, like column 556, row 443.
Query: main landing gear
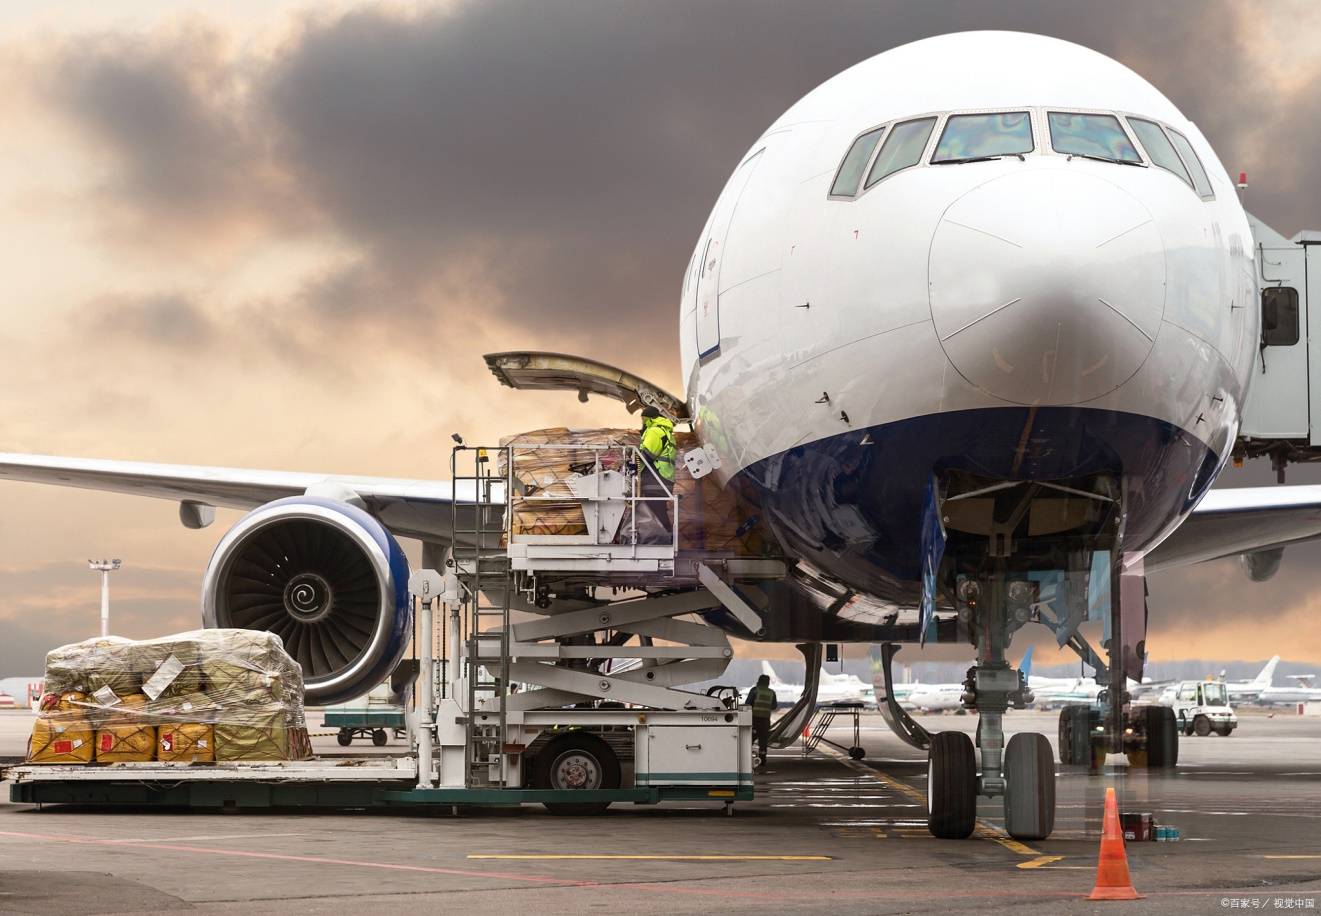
column 1150, row 737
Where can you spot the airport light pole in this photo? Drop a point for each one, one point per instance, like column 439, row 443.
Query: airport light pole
column 105, row 568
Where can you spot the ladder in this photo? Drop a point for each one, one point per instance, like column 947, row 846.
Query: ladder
column 480, row 530
column 825, row 718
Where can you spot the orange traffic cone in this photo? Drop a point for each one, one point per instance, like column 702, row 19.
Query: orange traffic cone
column 1112, row 880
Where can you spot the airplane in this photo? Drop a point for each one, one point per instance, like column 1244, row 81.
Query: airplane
column 977, row 309
column 935, row 698
column 1301, row 691
column 1046, row 691
column 832, row 688
column 1249, row 691
column 1058, row 691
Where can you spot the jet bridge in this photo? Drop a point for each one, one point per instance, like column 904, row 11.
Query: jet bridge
column 1282, row 417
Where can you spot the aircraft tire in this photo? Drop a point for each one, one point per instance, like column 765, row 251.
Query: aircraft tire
column 951, row 786
column 1075, row 735
column 1029, row 787
column 1162, row 737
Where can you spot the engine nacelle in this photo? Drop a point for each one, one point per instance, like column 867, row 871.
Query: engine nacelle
column 1262, row 564
column 324, row 576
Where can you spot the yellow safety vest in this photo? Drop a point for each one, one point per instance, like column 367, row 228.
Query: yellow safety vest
column 763, row 701
column 658, row 443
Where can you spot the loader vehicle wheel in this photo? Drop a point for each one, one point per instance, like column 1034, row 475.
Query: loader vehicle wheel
column 576, row 760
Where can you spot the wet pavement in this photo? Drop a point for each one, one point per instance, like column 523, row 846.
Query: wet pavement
column 824, row 833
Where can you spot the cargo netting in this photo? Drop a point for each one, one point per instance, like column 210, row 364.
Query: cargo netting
column 200, row 697
column 711, row 517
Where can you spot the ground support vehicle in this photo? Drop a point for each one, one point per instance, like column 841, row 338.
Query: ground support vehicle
column 575, row 708
column 1201, row 708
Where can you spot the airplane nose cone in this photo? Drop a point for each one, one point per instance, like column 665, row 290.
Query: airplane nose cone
column 1047, row 286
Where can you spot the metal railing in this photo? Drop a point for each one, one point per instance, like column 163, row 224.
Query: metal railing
column 613, row 488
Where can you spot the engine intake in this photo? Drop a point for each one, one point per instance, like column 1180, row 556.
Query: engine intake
column 324, row 576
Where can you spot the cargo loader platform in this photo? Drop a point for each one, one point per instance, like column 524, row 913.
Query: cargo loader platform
column 358, row 782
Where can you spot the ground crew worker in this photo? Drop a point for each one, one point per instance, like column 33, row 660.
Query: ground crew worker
column 762, row 700
column 660, row 451
column 658, row 443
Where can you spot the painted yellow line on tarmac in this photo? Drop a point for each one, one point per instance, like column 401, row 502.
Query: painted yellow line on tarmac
column 1291, row 857
column 662, row 858
column 1039, row 861
column 983, row 830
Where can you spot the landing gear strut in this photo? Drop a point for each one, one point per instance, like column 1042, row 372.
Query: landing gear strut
column 1023, row 774
column 1014, row 551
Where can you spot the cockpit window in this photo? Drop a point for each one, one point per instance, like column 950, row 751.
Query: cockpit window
column 1090, row 135
column 1189, row 156
column 1158, row 147
column 850, row 171
column 901, row 149
column 980, row 136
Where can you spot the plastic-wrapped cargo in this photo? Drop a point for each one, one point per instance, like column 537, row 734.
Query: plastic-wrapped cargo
column 711, row 517
column 192, row 697
column 62, row 732
column 124, row 734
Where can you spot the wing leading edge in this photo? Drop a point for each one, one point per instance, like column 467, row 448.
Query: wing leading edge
column 1243, row 520
column 409, row 508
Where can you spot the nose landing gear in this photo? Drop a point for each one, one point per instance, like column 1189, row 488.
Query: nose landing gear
column 1022, row 774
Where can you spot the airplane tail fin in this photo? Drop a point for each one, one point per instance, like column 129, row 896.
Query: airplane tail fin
column 767, row 670
column 1026, row 665
column 1267, row 674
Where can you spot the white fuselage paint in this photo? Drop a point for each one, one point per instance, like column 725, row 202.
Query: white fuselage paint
column 1041, row 281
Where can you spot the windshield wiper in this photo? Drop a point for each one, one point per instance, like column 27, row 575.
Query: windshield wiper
column 1104, row 159
column 1020, row 157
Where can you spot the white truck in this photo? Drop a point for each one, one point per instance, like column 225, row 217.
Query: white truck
column 1200, row 707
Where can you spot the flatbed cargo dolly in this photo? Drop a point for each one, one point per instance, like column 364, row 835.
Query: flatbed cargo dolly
column 373, row 724
column 574, row 705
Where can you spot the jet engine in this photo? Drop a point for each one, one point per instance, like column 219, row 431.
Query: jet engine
column 324, row 576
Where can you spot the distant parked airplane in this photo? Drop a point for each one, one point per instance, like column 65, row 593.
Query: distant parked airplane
column 833, row 688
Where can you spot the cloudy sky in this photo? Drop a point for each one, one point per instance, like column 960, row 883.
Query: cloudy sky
column 281, row 235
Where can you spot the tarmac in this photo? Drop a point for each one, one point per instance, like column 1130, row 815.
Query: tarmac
column 824, row 833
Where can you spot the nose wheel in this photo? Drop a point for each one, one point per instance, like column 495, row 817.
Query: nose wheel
column 1029, row 787
column 951, row 786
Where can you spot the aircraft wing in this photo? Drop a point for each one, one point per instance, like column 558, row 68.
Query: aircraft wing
column 410, row 508
column 1242, row 520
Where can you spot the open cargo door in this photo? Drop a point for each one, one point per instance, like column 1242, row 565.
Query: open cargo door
column 558, row 371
